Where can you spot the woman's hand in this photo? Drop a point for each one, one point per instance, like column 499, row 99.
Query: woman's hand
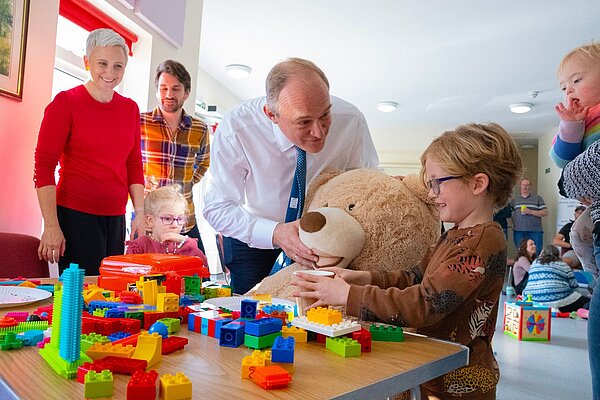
column 138, row 225
column 328, row 291
column 361, row 278
column 52, row 244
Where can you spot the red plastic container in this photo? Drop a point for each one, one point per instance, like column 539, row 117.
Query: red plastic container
column 116, row 272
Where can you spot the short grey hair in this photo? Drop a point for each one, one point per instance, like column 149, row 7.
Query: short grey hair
column 281, row 73
column 105, row 37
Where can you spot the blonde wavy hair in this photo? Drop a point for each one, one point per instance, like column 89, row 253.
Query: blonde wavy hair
column 163, row 197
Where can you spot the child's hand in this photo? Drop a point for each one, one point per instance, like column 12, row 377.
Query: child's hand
column 328, row 291
column 172, row 237
column 574, row 112
column 353, row 277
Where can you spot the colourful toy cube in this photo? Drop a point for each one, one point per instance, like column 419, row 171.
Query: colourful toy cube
column 167, row 302
column 527, row 321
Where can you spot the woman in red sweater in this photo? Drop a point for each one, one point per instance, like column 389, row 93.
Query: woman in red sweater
column 93, row 133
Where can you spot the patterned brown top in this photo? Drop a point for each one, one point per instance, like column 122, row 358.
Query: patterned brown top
column 451, row 295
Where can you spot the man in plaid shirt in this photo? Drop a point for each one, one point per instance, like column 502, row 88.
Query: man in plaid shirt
column 175, row 146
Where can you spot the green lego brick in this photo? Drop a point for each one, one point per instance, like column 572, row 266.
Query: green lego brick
column 383, row 333
column 192, row 284
column 98, row 384
column 260, row 342
column 173, row 324
column 135, row 315
column 87, row 340
column 344, row 346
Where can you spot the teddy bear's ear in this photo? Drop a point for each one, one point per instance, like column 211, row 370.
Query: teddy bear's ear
column 414, row 183
column 321, row 179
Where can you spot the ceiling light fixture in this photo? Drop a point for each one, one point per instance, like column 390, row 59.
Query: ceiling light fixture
column 238, row 71
column 387, row 106
column 520, row 108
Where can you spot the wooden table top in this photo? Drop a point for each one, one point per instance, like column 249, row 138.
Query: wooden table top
column 215, row 371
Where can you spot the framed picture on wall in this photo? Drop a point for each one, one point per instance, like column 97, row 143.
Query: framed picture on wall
column 13, row 39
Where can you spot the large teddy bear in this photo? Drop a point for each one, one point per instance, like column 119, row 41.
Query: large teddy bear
column 363, row 220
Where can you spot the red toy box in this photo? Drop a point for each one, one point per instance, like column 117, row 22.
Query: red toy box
column 116, row 272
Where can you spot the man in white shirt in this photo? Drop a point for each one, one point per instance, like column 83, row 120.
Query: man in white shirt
column 253, row 160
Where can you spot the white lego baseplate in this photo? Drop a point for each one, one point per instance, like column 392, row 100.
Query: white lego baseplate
column 343, row 328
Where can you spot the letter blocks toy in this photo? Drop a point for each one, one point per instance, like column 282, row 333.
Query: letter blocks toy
column 385, row 333
column 98, row 384
column 142, row 386
column 527, row 321
column 343, row 346
column 177, row 387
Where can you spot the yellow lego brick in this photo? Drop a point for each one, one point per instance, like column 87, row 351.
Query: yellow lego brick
column 93, row 294
column 27, row 284
column 177, row 387
column 99, row 350
column 300, row 335
column 256, row 359
column 325, row 316
column 262, row 297
column 224, row 292
column 149, row 347
column 167, row 302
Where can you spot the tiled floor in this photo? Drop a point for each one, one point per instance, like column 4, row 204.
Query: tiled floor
column 552, row 370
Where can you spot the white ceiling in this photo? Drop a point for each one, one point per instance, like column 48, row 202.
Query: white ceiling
column 444, row 62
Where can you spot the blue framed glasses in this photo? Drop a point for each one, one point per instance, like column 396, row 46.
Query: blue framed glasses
column 169, row 220
column 434, row 184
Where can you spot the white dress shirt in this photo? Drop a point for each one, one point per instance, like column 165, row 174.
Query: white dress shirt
column 253, row 163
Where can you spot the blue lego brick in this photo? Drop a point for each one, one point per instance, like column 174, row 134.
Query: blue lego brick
column 116, row 312
column 263, row 326
column 118, row 335
column 248, row 308
column 269, row 308
column 283, row 350
column 94, row 304
column 232, row 335
column 193, row 320
column 31, row 338
column 219, row 324
column 204, row 326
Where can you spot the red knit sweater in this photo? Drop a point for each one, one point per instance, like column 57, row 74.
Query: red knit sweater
column 98, row 147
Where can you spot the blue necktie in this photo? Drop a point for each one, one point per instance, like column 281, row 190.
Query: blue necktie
column 295, row 203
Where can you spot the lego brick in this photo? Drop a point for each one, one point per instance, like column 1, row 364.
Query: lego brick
column 167, row 302
column 99, row 350
column 219, row 323
column 282, row 350
column 299, row 334
column 232, row 334
column 149, row 348
column 256, row 359
column 129, row 340
column 248, row 308
column 192, row 284
column 173, row 343
column 98, row 384
column 343, row 346
column 270, row 377
column 19, row 316
column 11, row 342
column 120, row 365
column 325, row 316
column 31, row 338
column 86, row 367
column 175, row 387
column 142, row 386
column 130, row 297
column 343, row 328
column 264, row 326
column 385, row 333
column 260, row 342
column 364, row 338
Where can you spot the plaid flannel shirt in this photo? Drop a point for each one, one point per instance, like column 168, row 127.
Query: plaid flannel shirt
column 180, row 157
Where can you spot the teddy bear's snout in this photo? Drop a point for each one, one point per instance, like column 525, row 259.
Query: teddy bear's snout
column 312, row 221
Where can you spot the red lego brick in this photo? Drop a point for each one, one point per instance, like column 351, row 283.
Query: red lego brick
column 130, row 297
column 364, row 338
column 152, row 317
column 121, row 365
column 173, row 343
column 87, row 367
column 142, row 386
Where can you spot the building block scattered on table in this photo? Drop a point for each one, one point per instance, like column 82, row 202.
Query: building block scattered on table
column 384, row 333
column 232, row 334
column 120, row 365
column 142, row 386
column 300, row 335
column 149, row 348
column 175, row 387
column 364, row 338
column 100, row 350
column 260, row 342
column 19, row 316
column 192, row 284
column 256, row 359
column 325, row 316
column 343, row 328
column 31, row 338
column 270, row 377
column 527, row 321
column 98, row 384
column 159, row 328
column 86, row 367
column 173, row 343
column 248, row 308
column 344, row 346
column 10, row 342
column 263, row 326
column 167, row 302
column 173, row 324
column 283, row 350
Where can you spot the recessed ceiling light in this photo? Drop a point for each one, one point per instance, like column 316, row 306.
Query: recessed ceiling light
column 387, row 106
column 520, row 108
column 238, row 71
column 527, row 146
